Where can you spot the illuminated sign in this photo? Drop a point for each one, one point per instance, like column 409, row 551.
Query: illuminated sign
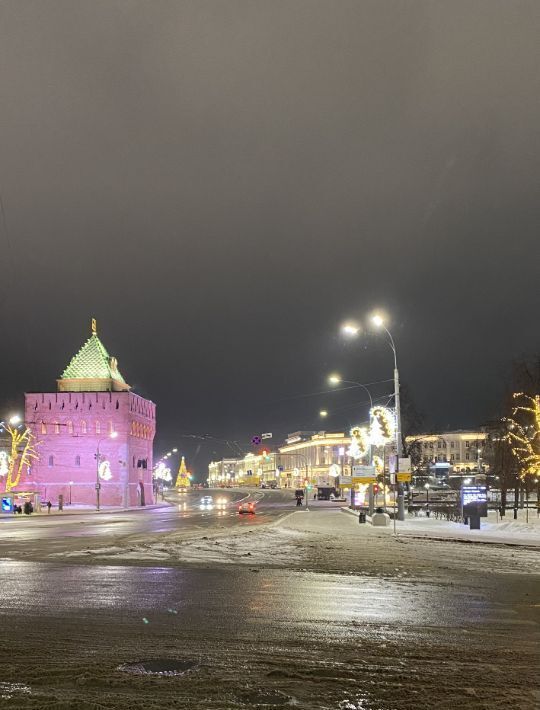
column 6, row 505
column 474, row 501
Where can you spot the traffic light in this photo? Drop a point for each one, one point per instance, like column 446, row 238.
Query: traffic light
column 375, row 489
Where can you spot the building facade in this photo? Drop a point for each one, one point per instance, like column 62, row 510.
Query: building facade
column 450, row 454
column 92, row 432
column 317, row 457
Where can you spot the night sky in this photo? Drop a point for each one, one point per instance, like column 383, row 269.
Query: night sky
column 221, row 183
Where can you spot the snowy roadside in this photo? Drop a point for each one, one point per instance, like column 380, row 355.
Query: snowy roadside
column 325, row 541
column 505, row 531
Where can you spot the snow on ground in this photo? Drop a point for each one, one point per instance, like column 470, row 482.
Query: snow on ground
column 322, row 541
column 503, row 531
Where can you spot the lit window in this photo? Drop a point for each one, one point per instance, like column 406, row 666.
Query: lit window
column 98, row 428
column 77, row 460
column 56, row 428
column 51, row 460
column 43, row 428
column 69, row 427
column 111, row 427
column 83, row 427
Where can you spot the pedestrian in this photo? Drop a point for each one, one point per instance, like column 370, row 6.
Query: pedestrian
column 49, row 506
column 27, row 508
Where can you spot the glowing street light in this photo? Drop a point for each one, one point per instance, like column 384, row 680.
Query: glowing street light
column 175, row 451
column 350, row 329
column 15, row 419
column 323, row 413
column 334, row 379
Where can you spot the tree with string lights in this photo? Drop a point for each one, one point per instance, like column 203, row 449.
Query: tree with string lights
column 523, row 433
column 23, row 452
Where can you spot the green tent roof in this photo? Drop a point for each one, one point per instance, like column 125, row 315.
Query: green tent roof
column 92, row 362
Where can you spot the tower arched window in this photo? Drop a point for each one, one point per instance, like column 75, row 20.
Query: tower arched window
column 56, row 427
column 43, row 428
column 83, row 427
column 111, row 427
column 51, row 461
column 69, row 426
column 77, row 460
column 98, row 427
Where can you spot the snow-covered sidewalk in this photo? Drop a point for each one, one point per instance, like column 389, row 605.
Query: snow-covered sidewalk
column 501, row 531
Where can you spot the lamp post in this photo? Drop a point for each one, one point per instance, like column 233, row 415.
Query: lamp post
column 70, row 484
column 427, row 499
column 112, row 435
column 378, row 322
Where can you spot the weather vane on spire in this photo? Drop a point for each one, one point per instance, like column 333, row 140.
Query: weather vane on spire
column 94, row 326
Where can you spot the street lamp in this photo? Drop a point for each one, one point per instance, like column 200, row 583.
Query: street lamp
column 70, row 484
column 112, row 435
column 426, row 486
column 323, row 413
column 336, row 379
column 350, row 329
column 378, row 321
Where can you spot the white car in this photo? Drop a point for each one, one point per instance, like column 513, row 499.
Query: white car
column 207, row 503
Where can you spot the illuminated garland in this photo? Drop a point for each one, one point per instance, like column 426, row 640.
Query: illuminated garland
column 359, row 442
column 163, row 472
column 379, row 465
column 383, row 426
column 23, row 452
column 524, row 433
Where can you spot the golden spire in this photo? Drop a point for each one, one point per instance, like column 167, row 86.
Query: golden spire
column 94, row 326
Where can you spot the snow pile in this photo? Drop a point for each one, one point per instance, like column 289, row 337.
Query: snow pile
column 270, row 546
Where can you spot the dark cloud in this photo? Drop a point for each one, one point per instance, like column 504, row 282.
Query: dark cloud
column 220, row 183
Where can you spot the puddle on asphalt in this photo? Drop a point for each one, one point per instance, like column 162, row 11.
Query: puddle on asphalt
column 266, row 699
column 159, row 666
column 8, row 690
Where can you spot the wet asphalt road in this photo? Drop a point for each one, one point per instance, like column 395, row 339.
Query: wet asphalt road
column 35, row 536
column 259, row 637
column 319, row 639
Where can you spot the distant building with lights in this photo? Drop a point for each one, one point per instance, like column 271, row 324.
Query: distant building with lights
column 93, row 410
column 451, row 453
column 318, row 457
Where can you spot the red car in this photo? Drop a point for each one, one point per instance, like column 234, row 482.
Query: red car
column 246, row 507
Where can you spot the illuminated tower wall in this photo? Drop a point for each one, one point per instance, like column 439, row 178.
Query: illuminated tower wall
column 93, row 402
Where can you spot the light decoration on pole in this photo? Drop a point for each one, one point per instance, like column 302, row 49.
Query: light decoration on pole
column 359, row 442
column 4, row 463
column 162, row 472
column 524, row 433
column 104, row 470
column 379, row 465
column 383, row 426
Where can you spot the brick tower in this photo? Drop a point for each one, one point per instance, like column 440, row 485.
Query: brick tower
column 94, row 432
